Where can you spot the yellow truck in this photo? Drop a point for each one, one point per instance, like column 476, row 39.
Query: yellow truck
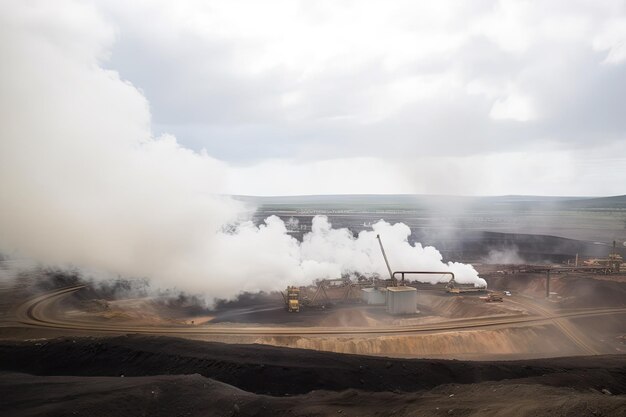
column 293, row 299
column 494, row 297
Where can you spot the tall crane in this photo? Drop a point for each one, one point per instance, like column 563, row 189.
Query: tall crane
column 385, row 256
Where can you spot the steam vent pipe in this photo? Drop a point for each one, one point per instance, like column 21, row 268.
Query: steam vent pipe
column 422, row 273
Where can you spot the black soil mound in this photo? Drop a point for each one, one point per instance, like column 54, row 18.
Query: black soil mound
column 282, row 371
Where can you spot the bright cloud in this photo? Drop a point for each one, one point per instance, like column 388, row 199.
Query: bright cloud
column 301, row 95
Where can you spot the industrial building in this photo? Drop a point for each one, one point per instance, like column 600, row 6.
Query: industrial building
column 401, row 300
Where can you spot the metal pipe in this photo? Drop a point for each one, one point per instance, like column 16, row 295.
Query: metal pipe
column 393, row 275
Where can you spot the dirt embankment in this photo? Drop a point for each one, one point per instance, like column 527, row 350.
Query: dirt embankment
column 166, row 376
column 459, row 306
column 573, row 290
column 536, row 341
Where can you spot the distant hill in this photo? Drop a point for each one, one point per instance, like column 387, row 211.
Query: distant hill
column 615, row 202
column 429, row 201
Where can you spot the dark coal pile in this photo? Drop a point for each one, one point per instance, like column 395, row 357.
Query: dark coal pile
column 158, row 376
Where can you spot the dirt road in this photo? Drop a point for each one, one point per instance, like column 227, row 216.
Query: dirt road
column 42, row 311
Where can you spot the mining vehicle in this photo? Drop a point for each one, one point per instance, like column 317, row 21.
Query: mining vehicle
column 494, row 297
column 292, row 300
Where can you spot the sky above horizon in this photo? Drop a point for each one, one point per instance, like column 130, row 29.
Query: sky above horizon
column 366, row 97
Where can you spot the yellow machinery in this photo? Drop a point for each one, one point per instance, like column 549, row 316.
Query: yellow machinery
column 494, row 297
column 293, row 299
column 612, row 264
column 452, row 287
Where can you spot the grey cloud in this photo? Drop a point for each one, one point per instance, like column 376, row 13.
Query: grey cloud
column 199, row 91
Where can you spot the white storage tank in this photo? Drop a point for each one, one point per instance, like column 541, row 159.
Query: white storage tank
column 401, row 300
column 373, row 295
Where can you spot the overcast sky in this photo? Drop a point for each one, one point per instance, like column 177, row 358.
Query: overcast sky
column 439, row 97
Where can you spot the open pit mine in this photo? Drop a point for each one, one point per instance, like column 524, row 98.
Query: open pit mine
column 550, row 332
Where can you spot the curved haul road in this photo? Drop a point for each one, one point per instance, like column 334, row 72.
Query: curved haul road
column 39, row 312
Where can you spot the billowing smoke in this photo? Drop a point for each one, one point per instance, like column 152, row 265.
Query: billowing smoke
column 504, row 256
column 84, row 181
column 336, row 248
column 267, row 257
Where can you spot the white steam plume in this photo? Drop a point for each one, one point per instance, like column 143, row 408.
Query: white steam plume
column 267, row 257
column 337, row 248
column 505, row 256
column 84, row 181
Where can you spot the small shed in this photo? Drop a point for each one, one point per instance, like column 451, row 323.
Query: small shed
column 401, row 300
column 373, row 295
